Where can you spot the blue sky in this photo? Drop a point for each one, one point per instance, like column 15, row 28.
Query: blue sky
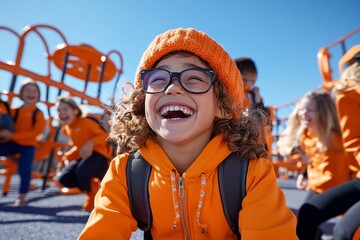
column 283, row 37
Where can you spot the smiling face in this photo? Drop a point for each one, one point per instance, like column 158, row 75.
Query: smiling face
column 177, row 116
column 30, row 94
column 66, row 113
column 307, row 115
column 249, row 79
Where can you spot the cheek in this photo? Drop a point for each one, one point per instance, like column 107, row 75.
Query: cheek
column 300, row 114
column 149, row 106
column 205, row 103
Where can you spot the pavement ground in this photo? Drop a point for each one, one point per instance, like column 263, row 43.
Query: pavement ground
column 51, row 215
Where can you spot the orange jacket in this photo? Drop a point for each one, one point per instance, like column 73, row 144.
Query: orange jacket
column 264, row 214
column 82, row 130
column 24, row 132
column 325, row 169
column 3, row 109
column 348, row 107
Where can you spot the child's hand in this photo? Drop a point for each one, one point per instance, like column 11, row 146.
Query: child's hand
column 301, row 182
column 65, row 161
column 87, row 149
column 5, row 134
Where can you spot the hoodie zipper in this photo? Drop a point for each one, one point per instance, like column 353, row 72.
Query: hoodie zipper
column 181, row 196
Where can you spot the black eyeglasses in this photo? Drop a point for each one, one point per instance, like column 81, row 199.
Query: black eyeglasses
column 193, row 80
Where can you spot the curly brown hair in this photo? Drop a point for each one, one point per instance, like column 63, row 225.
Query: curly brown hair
column 130, row 128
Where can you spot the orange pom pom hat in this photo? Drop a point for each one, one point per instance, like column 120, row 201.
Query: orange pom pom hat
column 203, row 46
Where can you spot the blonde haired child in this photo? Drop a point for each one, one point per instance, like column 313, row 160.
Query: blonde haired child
column 184, row 117
column 345, row 198
column 314, row 126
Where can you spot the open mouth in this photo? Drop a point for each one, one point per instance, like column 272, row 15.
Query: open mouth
column 176, row 112
column 30, row 98
column 64, row 119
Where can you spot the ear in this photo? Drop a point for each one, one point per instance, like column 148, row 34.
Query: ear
column 221, row 114
column 76, row 111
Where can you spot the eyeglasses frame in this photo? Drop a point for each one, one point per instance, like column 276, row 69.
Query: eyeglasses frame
column 178, row 76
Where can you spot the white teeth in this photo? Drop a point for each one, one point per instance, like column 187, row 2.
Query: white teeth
column 172, row 108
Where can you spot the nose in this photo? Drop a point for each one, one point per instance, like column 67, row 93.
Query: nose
column 306, row 112
column 174, row 87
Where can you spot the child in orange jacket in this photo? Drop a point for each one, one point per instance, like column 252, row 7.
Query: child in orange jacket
column 344, row 198
column 184, row 116
column 314, row 126
column 249, row 74
column 88, row 158
column 27, row 129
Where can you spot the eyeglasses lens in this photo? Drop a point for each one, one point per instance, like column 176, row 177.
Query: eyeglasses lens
column 192, row 80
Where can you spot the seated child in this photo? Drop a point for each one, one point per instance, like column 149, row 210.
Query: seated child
column 88, row 158
column 184, row 116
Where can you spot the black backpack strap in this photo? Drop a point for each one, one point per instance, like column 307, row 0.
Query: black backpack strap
column 34, row 116
column 137, row 175
column 110, row 143
column 232, row 173
column 16, row 114
column 98, row 121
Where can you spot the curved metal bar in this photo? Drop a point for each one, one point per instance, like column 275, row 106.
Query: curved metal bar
column 324, row 59
column 14, row 77
column 103, row 65
column 343, row 39
column 48, row 81
column 120, row 70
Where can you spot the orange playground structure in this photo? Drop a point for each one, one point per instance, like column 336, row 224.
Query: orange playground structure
column 92, row 78
column 330, row 57
column 80, row 71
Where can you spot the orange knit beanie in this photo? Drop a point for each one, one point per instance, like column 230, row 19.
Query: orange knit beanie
column 203, row 46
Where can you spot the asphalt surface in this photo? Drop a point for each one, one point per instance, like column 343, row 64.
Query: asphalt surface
column 51, row 215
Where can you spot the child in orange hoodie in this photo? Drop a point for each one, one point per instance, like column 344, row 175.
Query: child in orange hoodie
column 184, row 116
column 88, row 158
column 345, row 198
column 314, row 126
column 23, row 140
column 249, row 74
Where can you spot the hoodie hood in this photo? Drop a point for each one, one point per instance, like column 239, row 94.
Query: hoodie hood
column 213, row 154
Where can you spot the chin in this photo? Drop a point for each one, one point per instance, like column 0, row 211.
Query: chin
column 171, row 138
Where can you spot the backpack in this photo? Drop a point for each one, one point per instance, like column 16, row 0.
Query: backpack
column 232, row 172
column 33, row 118
column 97, row 120
column 110, row 143
column 8, row 122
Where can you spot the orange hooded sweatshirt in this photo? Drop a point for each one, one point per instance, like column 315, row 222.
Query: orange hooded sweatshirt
column 25, row 133
column 325, row 169
column 348, row 107
column 82, row 130
column 264, row 214
column 3, row 109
